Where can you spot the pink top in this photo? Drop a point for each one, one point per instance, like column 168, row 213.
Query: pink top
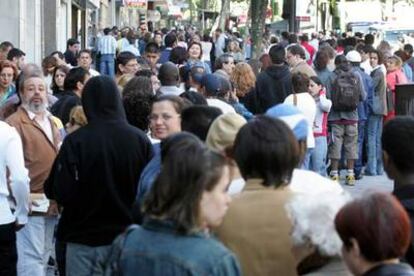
column 395, row 77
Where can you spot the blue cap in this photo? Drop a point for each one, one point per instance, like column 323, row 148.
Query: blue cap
column 212, row 83
column 293, row 117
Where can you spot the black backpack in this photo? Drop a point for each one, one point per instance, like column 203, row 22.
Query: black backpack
column 346, row 91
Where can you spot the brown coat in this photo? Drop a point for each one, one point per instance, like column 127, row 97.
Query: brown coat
column 256, row 228
column 39, row 151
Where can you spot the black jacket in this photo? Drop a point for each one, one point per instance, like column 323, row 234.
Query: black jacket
column 405, row 195
column 96, row 172
column 64, row 105
column 272, row 87
column 390, row 270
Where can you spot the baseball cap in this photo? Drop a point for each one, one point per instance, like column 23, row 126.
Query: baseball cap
column 293, row 117
column 353, row 56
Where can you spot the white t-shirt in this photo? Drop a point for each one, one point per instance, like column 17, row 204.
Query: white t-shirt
column 223, row 106
column 206, row 46
column 306, row 104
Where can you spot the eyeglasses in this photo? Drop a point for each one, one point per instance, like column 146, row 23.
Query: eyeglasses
column 164, row 117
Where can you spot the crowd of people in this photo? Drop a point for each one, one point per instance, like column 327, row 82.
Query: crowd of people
column 170, row 152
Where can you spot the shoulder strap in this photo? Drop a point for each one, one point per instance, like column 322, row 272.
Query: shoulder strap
column 114, row 256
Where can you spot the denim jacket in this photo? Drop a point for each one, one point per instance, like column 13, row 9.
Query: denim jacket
column 155, row 248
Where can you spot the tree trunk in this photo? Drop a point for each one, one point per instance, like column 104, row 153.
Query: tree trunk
column 258, row 16
column 224, row 13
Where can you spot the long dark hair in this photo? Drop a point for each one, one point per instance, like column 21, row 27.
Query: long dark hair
column 188, row 169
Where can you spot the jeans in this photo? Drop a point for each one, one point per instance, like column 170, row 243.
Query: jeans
column 359, row 163
column 374, row 151
column 83, row 260
column 107, row 65
column 8, row 251
column 306, row 160
column 35, row 245
column 318, row 156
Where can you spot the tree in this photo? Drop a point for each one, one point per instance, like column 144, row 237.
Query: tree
column 258, row 16
column 224, row 13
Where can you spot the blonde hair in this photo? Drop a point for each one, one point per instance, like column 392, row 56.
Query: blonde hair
column 398, row 61
column 243, row 78
column 77, row 116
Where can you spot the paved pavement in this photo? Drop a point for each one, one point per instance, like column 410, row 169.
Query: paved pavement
column 382, row 183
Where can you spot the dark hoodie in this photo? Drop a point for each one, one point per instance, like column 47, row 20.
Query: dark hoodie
column 405, row 194
column 95, row 173
column 272, row 87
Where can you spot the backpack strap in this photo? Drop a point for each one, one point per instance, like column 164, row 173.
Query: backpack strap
column 115, row 253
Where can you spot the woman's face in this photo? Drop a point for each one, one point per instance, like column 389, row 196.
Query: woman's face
column 228, row 66
column 214, row 203
column 194, row 52
column 391, row 65
column 6, row 77
column 164, row 120
column 314, row 88
column 60, row 78
column 196, row 38
column 158, row 39
column 373, row 59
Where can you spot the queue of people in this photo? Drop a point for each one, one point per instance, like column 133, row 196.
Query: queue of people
column 183, row 156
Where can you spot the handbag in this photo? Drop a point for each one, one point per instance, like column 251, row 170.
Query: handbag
column 390, row 100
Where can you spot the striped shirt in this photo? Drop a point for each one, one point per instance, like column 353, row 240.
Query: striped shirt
column 107, row 45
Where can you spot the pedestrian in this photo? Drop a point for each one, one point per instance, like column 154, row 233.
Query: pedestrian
column 233, row 49
column 8, row 74
column 12, row 163
column 320, row 65
column 107, row 50
column 126, row 64
column 224, row 65
column 303, row 100
column 394, row 76
column 296, row 58
column 95, row 176
column 345, row 90
column 274, row 84
column 5, row 47
column 169, row 77
column 266, row 152
column 243, row 81
column 375, row 231
column 17, row 57
column 85, row 61
column 195, row 53
column 216, row 90
column 73, row 85
column 170, row 42
column 58, row 80
column 320, row 126
column 72, row 49
column 137, row 98
column 355, row 60
column 377, row 110
column 184, row 203
column 152, row 55
column 41, row 135
column 398, row 157
column 49, row 64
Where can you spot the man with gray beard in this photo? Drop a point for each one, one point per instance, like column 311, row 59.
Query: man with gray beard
column 41, row 135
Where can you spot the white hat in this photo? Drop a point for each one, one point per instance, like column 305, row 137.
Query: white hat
column 353, row 56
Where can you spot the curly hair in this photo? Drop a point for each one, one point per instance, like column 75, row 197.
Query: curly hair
column 243, row 78
column 137, row 99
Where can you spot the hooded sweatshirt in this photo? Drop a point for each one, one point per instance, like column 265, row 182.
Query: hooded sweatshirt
column 95, row 173
column 272, row 87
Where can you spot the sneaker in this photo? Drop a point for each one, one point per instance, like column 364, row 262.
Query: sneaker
column 350, row 180
column 334, row 177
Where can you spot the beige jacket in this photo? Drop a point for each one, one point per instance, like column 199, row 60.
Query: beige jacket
column 256, row 228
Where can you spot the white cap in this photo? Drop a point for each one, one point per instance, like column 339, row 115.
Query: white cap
column 353, row 56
